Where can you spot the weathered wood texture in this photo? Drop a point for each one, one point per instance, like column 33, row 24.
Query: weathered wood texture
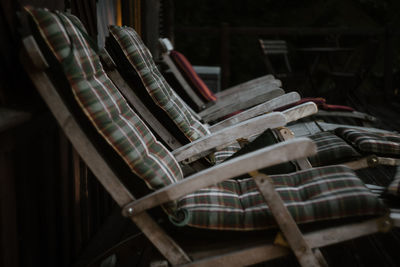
column 243, row 101
column 240, row 256
column 260, row 109
column 229, row 135
column 288, row 226
column 183, row 83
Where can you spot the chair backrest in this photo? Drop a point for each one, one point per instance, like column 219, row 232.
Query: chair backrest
column 158, row 88
column 101, row 102
column 183, row 71
column 275, row 48
column 158, row 124
column 166, row 45
column 191, row 76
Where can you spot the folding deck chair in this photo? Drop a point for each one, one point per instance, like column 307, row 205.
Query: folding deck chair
column 91, row 104
column 194, row 87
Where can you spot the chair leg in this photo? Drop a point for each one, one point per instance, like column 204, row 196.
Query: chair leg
column 288, row 226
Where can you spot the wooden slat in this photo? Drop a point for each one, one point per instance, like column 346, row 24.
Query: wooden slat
column 372, row 161
column 353, row 114
column 185, row 85
column 252, row 95
column 332, row 126
column 269, row 156
column 229, row 135
column 265, row 252
column 286, row 223
column 89, row 154
column 242, row 257
column 242, row 87
column 265, row 107
column 228, row 106
column 300, row 111
column 286, row 134
column 304, row 128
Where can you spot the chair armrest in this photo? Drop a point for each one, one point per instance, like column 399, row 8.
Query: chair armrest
column 236, row 103
column 260, row 109
column 267, row 79
column 224, row 137
column 269, row 156
column 352, row 114
column 300, row 111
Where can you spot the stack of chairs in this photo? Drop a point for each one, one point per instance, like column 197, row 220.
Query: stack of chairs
column 242, row 212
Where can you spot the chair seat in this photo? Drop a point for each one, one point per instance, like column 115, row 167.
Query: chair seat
column 311, row 195
column 331, row 149
column 371, row 142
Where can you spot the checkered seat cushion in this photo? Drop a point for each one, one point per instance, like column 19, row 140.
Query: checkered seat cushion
column 383, row 144
column 331, row 150
column 311, row 195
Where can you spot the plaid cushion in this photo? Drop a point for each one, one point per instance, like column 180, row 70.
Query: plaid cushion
column 311, row 195
column 331, row 149
column 372, row 142
column 191, row 76
column 103, row 104
column 161, row 92
column 225, row 153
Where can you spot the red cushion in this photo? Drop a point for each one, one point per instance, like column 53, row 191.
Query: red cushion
column 191, row 76
column 320, row 102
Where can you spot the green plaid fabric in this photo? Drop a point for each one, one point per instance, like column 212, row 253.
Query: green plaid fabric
column 161, row 92
column 394, row 186
column 102, row 102
column 331, row 149
column 225, row 153
column 372, row 142
column 311, row 195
